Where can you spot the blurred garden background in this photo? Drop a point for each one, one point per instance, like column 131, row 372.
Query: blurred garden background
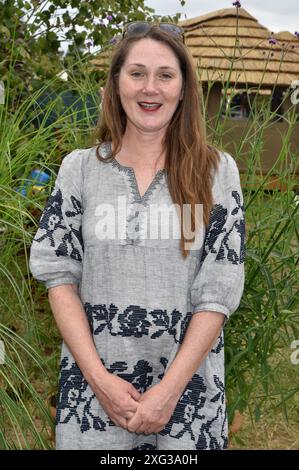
column 50, row 100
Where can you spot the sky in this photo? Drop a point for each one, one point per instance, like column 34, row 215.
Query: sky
column 276, row 15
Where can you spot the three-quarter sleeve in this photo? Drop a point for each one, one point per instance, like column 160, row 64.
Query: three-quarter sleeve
column 219, row 283
column 57, row 249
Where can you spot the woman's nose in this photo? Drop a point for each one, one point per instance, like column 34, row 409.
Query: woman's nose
column 150, row 84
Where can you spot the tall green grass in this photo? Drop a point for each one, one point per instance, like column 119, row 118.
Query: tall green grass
column 266, row 320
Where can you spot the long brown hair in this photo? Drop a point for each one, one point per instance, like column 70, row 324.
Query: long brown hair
column 189, row 160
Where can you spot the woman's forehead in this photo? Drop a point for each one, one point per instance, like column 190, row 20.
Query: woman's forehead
column 147, row 50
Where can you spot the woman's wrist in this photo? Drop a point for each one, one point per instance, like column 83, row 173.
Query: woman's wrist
column 172, row 390
column 96, row 375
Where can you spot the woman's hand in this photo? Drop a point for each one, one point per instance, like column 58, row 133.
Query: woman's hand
column 118, row 398
column 155, row 408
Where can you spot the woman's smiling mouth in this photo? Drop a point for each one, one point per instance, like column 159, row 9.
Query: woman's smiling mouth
column 149, row 107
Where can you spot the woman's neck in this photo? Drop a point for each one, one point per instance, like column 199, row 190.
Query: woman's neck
column 146, row 151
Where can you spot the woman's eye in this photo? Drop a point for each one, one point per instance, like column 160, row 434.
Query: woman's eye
column 136, row 74
column 166, row 75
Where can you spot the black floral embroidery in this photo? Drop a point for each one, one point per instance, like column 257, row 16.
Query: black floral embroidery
column 52, row 220
column 206, row 439
column 164, row 362
column 67, row 247
column 238, row 226
column 77, row 206
column 73, row 397
column 189, row 420
column 187, row 410
column 228, row 250
column 184, row 326
column 145, row 446
column 218, row 217
column 133, row 322
column 100, row 317
column 75, row 400
column 141, row 376
column 219, row 346
column 189, row 417
column 137, row 321
column 165, row 321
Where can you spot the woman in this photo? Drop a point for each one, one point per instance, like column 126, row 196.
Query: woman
column 142, row 314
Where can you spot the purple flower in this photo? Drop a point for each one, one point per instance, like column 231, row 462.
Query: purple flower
column 237, row 4
column 109, row 17
column 113, row 40
column 272, row 40
column 297, row 34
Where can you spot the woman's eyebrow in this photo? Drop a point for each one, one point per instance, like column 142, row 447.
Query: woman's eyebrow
column 162, row 66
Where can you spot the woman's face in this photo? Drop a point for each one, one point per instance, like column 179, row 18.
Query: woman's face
column 150, row 85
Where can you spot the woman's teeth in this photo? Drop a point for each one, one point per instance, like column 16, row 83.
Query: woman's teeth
column 149, row 106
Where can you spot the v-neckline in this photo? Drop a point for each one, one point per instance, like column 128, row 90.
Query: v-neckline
column 131, row 170
column 106, row 147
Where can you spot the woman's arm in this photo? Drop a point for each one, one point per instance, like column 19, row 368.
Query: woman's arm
column 157, row 405
column 118, row 397
column 202, row 332
column 72, row 323
column 56, row 258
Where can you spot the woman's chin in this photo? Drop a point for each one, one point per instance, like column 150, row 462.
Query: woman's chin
column 150, row 126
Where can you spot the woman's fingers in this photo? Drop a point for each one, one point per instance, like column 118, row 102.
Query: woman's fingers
column 118, row 420
column 122, row 421
column 134, row 393
column 140, row 429
column 132, row 407
column 143, row 430
column 129, row 415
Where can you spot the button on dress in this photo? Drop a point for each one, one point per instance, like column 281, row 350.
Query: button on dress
column 139, row 294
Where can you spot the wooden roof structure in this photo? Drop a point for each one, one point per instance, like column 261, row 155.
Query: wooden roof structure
column 232, row 44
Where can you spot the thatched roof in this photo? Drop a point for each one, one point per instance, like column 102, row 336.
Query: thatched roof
column 211, row 39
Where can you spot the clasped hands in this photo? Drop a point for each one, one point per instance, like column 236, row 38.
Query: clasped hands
column 145, row 413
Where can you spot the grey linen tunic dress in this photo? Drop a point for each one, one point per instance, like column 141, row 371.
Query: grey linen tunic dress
column 139, row 295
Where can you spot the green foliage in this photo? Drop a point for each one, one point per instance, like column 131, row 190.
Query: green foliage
column 21, row 406
column 32, row 33
column 28, row 378
column 267, row 320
